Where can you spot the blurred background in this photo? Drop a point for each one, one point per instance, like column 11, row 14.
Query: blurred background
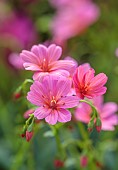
column 87, row 31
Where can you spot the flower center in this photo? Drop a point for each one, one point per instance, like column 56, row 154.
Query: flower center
column 84, row 89
column 44, row 65
column 53, row 103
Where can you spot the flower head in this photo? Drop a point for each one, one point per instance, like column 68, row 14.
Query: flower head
column 88, row 85
column 43, row 61
column 72, row 18
column 50, row 96
column 106, row 112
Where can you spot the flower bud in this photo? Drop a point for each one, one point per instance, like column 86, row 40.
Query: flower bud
column 29, row 135
column 16, row 95
column 58, row 163
column 98, row 125
column 90, row 125
column 83, row 161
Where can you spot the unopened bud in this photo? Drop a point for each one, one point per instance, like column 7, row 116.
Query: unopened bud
column 98, row 125
column 16, row 95
column 29, row 135
column 83, row 161
column 90, row 126
column 58, row 163
column 23, row 135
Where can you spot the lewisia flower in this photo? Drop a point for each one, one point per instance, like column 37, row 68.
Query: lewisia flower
column 50, row 96
column 106, row 112
column 43, row 61
column 16, row 61
column 88, row 85
column 23, row 36
column 72, row 18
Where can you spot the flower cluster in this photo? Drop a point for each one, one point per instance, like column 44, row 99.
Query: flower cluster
column 59, row 85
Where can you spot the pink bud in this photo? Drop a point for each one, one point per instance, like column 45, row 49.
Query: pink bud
column 90, row 129
column 83, row 161
column 58, row 163
column 98, row 128
column 16, row 95
column 23, row 135
column 29, row 135
column 27, row 113
column 98, row 125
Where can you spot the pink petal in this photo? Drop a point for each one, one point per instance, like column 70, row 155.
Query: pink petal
column 98, row 102
column 89, row 76
column 29, row 57
column 54, row 53
column 109, row 109
column 41, row 113
column 52, row 117
column 96, row 92
column 109, row 123
column 39, row 75
column 68, row 102
column 40, row 51
column 64, row 115
column 63, row 65
column 16, row 60
column 99, row 80
column 31, row 66
column 80, row 75
column 63, row 87
column 82, row 113
column 60, row 73
column 36, row 93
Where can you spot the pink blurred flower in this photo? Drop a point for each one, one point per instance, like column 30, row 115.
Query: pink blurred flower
column 16, row 61
column 88, row 85
column 50, row 96
column 43, row 61
column 23, row 36
column 106, row 112
column 72, row 18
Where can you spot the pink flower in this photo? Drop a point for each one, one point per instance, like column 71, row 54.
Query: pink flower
column 43, row 61
column 106, row 112
column 16, row 61
column 88, row 85
column 50, row 96
column 23, row 36
column 72, row 18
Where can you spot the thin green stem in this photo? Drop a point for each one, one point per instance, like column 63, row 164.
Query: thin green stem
column 61, row 150
column 83, row 132
column 95, row 112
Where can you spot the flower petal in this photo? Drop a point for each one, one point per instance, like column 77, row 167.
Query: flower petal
column 64, row 115
column 109, row 109
column 52, row 117
column 54, row 53
column 99, row 80
column 82, row 113
column 41, row 112
column 68, row 102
